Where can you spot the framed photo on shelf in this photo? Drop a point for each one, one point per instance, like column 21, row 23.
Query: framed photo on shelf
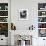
column 42, row 32
column 23, row 14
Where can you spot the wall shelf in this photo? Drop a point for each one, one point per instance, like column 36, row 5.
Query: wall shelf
column 3, row 16
column 41, row 22
column 4, row 19
column 42, row 19
column 41, row 28
column 41, row 10
column 3, row 22
column 42, row 16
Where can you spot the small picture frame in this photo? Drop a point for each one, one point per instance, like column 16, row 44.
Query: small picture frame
column 23, row 14
column 42, row 32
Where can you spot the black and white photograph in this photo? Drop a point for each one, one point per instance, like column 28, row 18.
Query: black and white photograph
column 23, row 14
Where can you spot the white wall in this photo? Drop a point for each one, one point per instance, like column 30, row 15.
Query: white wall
column 32, row 6
column 32, row 13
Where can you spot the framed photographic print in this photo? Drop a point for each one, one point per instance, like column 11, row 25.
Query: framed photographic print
column 42, row 32
column 23, row 14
